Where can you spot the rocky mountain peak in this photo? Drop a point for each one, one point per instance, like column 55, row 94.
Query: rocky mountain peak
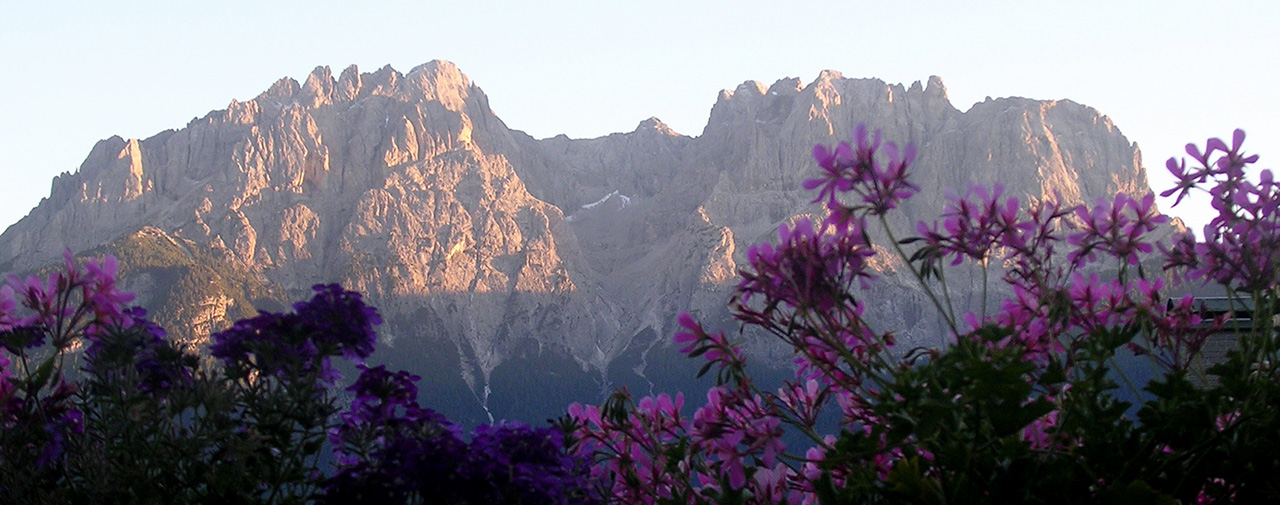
column 745, row 91
column 381, row 82
column 936, row 90
column 349, row 84
column 282, row 91
column 654, row 124
column 318, row 90
column 442, row 82
column 829, row 76
column 786, row 87
column 487, row 249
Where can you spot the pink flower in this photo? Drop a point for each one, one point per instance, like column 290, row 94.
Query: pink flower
column 1222, row 422
column 1117, row 228
column 1039, row 433
column 880, row 184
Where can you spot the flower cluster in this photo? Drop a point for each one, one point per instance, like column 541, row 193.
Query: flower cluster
column 1116, row 228
column 38, row 411
column 67, row 304
column 976, row 226
column 1025, row 387
column 154, row 362
column 809, row 266
column 334, row 322
column 391, row 450
column 650, row 451
column 879, row 185
column 385, row 403
column 1241, row 249
column 143, row 421
column 514, row 463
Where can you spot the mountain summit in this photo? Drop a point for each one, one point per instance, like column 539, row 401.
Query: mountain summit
column 505, row 263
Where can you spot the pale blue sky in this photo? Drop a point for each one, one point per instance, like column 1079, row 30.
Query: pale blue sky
column 1166, row 72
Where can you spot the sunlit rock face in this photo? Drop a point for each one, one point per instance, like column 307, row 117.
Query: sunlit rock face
column 506, row 264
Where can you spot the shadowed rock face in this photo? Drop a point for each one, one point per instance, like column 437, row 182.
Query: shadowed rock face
column 486, row 248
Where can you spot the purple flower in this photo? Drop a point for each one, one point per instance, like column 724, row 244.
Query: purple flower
column 975, row 226
column 880, row 184
column 1186, row 180
column 391, row 449
column 404, row 467
column 515, row 463
column 69, row 303
column 67, row 421
column 382, row 396
column 157, row 364
column 1118, row 228
column 808, row 267
column 1241, row 247
column 275, row 344
column 335, row 321
column 340, row 319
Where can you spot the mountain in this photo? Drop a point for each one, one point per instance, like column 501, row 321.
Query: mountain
column 507, row 266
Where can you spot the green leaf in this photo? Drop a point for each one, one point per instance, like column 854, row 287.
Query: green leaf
column 1008, row 421
column 42, row 374
column 908, row 480
column 705, row 368
column 1054, row 373
column 825, row 490
column 675, row 454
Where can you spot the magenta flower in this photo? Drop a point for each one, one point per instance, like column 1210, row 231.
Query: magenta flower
column 973, row 227
column 1117, row 228
column 1242, row 242
column 69, row 303
column 879, row 183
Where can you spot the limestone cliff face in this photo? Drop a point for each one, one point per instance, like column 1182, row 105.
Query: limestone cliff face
column 373, row 180
column 744, row 173
column 759, row 139
column 733, row 185
column 484, row 246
